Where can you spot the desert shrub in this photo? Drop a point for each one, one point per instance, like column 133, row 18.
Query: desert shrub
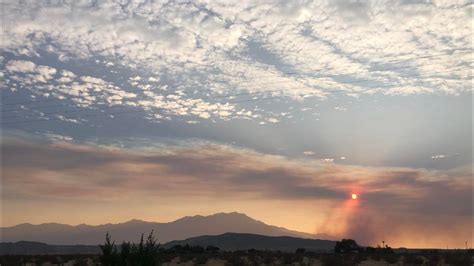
column 433, row 259
column 289, row 259
column 235, row 260
column 362, row 257
column 458, row 259
column 337, row 260
column 212, row 249
column 390, row 258
column 412, row 259
column 13, row 260
column 81, row 261
column 300, row 250
column 268, row 259
column 376, row 256
column 252, row 251
column 201, row 260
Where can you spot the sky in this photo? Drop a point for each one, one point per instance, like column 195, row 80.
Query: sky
column 154, row 110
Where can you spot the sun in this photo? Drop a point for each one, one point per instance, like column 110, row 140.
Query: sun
column 354, row 196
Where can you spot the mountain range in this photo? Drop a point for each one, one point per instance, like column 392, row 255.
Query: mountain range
column 184, row 228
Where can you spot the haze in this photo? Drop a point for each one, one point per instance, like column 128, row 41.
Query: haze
column 155, row 110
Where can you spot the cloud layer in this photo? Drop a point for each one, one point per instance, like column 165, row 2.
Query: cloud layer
column 431, row 205
column 189, row 50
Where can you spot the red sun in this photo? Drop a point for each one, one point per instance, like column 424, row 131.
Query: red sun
column 354, row 196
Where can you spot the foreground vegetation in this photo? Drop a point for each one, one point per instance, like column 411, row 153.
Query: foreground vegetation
column 167, row 257
column 148, row 253
column 250, row 257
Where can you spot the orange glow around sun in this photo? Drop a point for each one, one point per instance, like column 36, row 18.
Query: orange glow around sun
column 354, row 196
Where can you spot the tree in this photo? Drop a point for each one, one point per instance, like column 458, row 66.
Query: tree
column 109, row 252
column 151, row 245
column 150, row 251
column 141, row 246
column 346, row 245
column 145, row 253
column 125, row 253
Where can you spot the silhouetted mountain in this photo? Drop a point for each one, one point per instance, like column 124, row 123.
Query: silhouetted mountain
column 36, row 248
column 235, row 241
column 183, row 228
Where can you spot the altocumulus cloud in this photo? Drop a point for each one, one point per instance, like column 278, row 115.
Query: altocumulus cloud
column 222, row 47
column 395, row 201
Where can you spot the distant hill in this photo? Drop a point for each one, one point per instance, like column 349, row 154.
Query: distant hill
column 184, row 228
column 236, row 241
column 36, row 248
column 227, row 241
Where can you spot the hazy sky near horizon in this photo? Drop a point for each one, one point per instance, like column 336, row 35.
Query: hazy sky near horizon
column 116, row 110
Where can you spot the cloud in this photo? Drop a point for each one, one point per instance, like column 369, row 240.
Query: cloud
column 20, row 66
column 45, row 73
column 95, row 92
column 32, row 73
column 188, row 59
column 205, row 44
column 340, row 108
column 56, row 137
column 328, row 160
column 391, row 199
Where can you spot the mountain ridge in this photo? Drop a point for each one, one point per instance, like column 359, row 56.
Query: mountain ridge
column 39, row 248
column 179, row 229
column 136, row 220
column 243, row 241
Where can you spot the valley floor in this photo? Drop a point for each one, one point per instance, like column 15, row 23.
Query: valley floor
column 261, row 258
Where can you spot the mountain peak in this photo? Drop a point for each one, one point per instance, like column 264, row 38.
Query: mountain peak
column 216, row 215
column 135, row 221
column 232, row 214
